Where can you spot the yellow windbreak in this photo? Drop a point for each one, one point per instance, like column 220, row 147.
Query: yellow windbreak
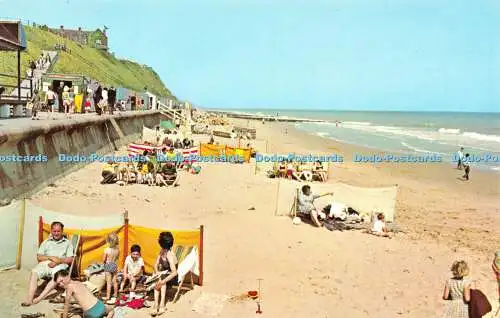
column 92, row 244
column 147, row 239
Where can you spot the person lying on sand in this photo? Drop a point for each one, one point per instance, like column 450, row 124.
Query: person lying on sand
column 109, row 173
column 306, row 204
column 91, row 306
column 379, row 228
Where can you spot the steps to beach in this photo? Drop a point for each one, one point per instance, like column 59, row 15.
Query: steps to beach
column 26, row 86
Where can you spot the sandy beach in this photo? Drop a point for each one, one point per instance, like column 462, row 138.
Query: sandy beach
column 306, row 271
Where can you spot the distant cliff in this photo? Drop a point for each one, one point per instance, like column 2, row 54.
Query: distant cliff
column 82, row 59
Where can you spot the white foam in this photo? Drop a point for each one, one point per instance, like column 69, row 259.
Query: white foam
column 449, row 130
column 359, row 123
column 421, row 150
column 414, row 148
column 477, row 136
column 322, row 134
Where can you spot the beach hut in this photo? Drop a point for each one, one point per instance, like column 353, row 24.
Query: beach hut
column 57, row 81
column 152, row 100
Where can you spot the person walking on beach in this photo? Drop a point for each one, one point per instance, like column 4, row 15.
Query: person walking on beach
column 457, row 291
column 466, row 165
column 460, row 158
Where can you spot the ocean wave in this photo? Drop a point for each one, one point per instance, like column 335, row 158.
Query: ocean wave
column 420, row 150
column 358, row 123
column 478, row 136
column 449, row 130
column 321, row 134
column 400, row 131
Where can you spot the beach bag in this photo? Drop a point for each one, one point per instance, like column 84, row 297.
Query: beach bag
column 479, row 304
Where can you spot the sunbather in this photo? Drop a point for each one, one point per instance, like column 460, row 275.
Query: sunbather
column 168, row 175
column 91, row 306
column 320, row 171
column 109, row 173
column 379, row 228
column 166, row 263
column 291, row 172
column 306, row 205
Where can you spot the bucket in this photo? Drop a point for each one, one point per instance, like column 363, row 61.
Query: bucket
column 4, row 111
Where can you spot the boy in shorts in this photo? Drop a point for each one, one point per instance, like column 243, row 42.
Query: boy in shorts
column 91, row 306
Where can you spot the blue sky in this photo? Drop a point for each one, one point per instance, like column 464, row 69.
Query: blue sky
column 360, row 55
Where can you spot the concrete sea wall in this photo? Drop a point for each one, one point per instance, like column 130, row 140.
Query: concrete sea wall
column 45, row 141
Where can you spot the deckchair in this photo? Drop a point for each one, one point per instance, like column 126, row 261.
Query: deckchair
column 185, row 268
column 75, row 242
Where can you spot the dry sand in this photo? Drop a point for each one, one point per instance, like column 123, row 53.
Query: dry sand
column 306, row 272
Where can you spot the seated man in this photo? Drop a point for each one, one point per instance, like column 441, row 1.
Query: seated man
column 306, row 204
column 168, row 175
column 91, row 306
column 54, row 254
column 109, row 173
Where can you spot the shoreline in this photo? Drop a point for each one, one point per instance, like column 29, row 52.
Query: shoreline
column 483, row 160
column 433, row 191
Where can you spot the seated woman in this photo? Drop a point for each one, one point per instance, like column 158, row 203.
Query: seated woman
column 320, row 171
column 282, row 169
column 168, row 175
column 291, row 172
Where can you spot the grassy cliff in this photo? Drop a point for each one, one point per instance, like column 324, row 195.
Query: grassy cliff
column 81, row 59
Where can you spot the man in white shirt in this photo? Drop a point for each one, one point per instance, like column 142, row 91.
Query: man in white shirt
column 54, row 254
column 306, row 204
column 460, row 158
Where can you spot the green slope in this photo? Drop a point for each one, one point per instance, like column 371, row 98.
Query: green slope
column 85, row 60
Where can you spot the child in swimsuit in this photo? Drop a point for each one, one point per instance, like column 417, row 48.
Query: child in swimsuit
column 166, row 262
column 91, row 306
column 111, row 255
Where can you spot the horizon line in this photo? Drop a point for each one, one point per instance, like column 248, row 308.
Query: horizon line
column 349, row 110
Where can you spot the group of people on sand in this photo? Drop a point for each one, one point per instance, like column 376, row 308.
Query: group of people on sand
column 308, row 210
column 301, row 171
column 152, row 169
column 56, row 254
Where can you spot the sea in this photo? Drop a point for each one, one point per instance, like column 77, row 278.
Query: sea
column 417, row 133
